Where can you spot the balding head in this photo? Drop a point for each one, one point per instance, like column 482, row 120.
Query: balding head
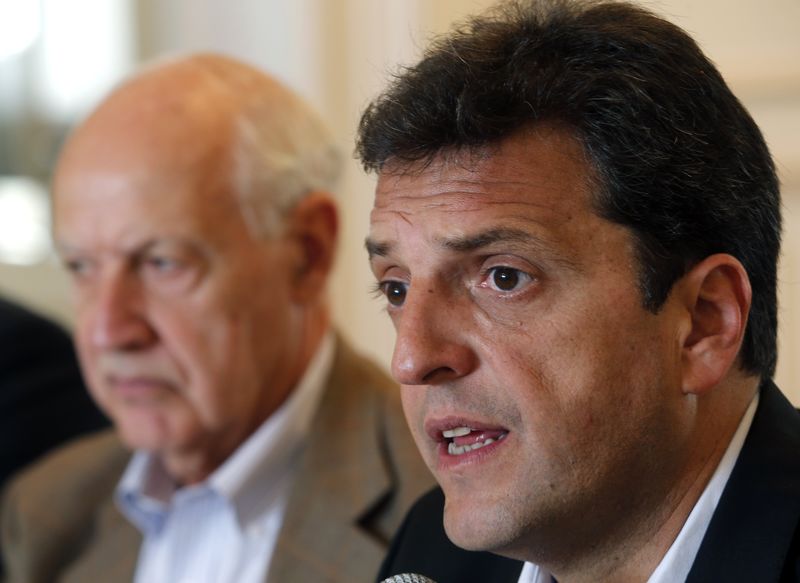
column 208, row 114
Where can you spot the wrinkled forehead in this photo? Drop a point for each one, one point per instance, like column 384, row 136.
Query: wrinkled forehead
column 542, row 169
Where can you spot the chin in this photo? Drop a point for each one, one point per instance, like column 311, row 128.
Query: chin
column 476, row 527
column 145, row 433
column 139, row 440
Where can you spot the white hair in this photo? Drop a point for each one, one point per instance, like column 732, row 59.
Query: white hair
column 282, row 150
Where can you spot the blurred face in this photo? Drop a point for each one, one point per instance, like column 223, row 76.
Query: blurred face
column 185, row 325
column 542, row 395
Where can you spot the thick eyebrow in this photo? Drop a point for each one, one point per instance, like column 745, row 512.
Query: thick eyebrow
column 480, row 240
column 377, row 248
column 471, row 243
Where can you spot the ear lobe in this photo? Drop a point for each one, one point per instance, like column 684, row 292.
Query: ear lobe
column 313, row 227
column 717, row 294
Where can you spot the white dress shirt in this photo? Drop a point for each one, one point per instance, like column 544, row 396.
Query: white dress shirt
column 225, row 528
column 677, row 562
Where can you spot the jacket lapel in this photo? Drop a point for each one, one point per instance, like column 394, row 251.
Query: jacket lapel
column 342, row 480
column 752, row 529
column 114, row 557
column 112, row 547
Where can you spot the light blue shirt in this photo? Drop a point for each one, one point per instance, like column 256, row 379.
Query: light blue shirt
column 224, row 529
column 678, row 561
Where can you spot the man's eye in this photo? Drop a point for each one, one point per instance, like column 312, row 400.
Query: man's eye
column 507, row 278
column 77, row 267
column 394, row 291
column 162, row 264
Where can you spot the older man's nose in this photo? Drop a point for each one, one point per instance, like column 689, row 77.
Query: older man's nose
column 115, row 314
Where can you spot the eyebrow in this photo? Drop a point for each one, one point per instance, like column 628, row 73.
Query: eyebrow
column 376, row 248
column 460, row 244
column 480, row 240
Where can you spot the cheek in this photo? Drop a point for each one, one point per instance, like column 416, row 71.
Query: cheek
column 217, row 354
column 83, row 348
column 412, row 399
column 193, row 344
column 88, row 358
column 200, row 349
column 83, row 332
column 563, row 373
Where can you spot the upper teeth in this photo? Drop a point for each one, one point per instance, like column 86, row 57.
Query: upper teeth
column 456, row 432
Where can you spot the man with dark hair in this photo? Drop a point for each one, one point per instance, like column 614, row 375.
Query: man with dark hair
column 576, row 227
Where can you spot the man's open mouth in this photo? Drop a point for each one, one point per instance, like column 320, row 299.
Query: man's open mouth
column 463, row 439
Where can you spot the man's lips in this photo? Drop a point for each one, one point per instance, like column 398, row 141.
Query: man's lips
column 137, row 386
column 459, row 436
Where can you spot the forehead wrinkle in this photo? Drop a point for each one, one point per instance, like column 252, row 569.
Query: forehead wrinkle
column 437, row 193
column 455, row 195
column 467, row 243
column 492, row 235
column 463, row 243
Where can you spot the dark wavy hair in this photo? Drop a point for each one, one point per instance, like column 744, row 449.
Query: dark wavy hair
column 676, row 158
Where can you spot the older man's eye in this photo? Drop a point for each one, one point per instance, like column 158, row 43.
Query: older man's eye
column 395, row 292
column 507, row 278
column 163, row 264
column 77, row 267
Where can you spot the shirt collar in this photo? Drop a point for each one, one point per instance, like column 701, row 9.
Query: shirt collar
column 255, row 476
column 678, row 560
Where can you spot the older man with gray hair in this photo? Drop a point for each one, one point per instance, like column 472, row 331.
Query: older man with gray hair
column 192, row 210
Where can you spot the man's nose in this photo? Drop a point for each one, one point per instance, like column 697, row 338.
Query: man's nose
column 115, row 313
column 432, row 344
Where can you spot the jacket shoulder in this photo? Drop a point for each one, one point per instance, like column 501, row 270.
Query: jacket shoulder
column 87, row 464
column 50, row 509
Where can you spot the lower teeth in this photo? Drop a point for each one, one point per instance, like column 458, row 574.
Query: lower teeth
column 454, row 449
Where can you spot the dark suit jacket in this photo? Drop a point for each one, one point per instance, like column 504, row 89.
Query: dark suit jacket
column 43, row 402
column 753, row 534
column 359, row 474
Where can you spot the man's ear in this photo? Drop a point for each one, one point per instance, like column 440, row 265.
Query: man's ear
column 313, row 226
column 717, row 294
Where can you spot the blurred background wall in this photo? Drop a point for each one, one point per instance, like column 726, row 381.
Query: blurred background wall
column 57, row 58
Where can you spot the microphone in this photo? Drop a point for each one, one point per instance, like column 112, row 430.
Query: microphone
column 408, row 578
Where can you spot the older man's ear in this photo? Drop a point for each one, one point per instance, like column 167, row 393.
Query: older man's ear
column 313, row 226
column 716, row 294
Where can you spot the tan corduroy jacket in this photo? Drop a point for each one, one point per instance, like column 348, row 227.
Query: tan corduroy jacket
column 359, row 474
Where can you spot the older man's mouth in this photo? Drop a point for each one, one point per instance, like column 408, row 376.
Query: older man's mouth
column 138, row 387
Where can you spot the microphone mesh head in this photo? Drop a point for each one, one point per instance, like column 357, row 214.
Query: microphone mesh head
column 408, row 578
